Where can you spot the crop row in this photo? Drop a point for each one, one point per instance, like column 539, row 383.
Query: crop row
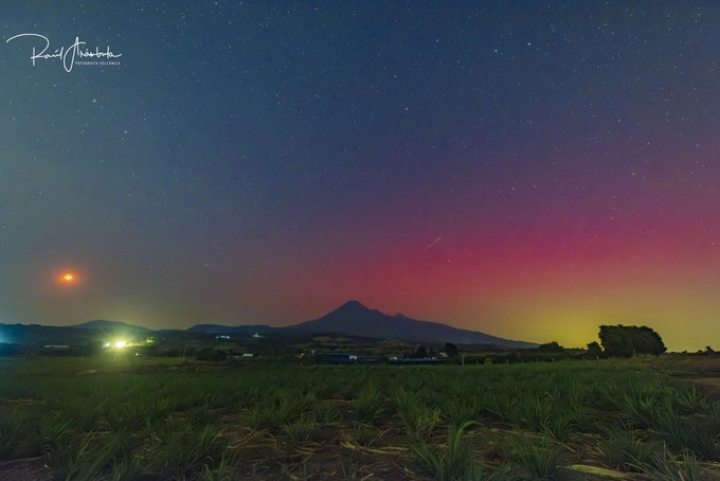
column 539, row 421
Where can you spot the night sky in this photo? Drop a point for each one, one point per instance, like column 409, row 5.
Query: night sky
column 531, row 170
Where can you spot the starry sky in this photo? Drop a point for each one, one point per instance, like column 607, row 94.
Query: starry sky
column 531, row 170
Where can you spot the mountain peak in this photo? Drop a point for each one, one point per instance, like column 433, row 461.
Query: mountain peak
column 353, row 318
column 352, row 307
column 352, row 304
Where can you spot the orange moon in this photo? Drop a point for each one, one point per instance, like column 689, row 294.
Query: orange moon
column 68, row 278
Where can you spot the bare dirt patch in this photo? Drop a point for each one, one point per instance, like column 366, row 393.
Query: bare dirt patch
column 29, row 469
column 709, row 385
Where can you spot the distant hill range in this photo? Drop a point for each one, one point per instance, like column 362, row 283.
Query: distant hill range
column 238, row 330
column 114, row 326
column 352, row 319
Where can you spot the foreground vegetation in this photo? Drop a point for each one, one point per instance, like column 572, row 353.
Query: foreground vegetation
column 166, row 419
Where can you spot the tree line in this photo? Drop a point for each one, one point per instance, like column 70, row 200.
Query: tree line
column 627, row 341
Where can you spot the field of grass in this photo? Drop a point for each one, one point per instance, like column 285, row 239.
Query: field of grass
column 160, row 419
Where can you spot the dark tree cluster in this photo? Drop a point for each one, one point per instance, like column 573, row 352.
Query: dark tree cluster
column 451, row 350
column 550, row 347
column 627, row 341
column 594, row 350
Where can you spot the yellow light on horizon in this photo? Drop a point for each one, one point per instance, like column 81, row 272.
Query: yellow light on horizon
column 120, row 344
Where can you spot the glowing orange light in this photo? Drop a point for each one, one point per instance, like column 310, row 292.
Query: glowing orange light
column 68, row 278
